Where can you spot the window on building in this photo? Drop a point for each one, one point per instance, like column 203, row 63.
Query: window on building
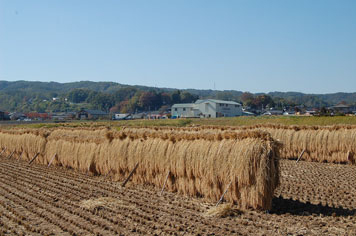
column 175, row 109
column 183, row 109
column 226, row 104
column 236, row 105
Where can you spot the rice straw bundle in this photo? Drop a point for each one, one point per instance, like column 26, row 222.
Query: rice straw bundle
column 201, row 163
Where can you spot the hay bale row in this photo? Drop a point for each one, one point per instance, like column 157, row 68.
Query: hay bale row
column 333, row 144
column 200, row 165
column 322, row 145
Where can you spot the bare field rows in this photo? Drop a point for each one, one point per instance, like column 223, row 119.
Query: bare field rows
column 312, row 199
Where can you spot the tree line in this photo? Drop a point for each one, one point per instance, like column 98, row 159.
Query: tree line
column 130, row 100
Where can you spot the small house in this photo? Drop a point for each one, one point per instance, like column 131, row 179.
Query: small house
column 273, row 113
column 341, row 108
column 123, row 116
column 207, row 108
column 17, row 116
column 63, row 115
column 86, row 114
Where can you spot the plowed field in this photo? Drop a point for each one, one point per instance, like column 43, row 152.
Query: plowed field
column 313, row 199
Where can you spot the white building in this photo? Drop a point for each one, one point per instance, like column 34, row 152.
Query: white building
column 207, row 108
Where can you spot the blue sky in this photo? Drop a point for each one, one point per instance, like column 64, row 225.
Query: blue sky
column 257, row 46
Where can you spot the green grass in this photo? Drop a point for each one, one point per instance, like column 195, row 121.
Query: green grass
column 236, row 121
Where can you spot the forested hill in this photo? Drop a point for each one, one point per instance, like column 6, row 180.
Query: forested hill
column 34, row 87
column 29, row 96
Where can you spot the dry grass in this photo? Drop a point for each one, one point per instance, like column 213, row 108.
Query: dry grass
column 201, row 163
column 223, row 210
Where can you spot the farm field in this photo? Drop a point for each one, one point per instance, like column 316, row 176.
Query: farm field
column 312, row 199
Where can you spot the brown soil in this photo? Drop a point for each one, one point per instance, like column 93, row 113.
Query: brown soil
column 313, row 199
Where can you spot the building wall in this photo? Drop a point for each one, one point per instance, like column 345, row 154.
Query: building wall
column 207, row 109
column 228, row 110
column 82, row 115
column 183, row 112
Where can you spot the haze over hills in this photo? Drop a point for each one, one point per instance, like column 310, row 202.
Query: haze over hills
column 38, row 96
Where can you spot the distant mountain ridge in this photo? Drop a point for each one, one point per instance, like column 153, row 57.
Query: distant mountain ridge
column 17, row 91
column 36, row 86
column 328, row 98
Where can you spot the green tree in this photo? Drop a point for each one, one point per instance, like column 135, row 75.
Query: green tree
column 150, row 101
column 175, row 97
column 79, row 95
column 247, row 99
column 166, row 99
column 263, row 100
column 186, row 97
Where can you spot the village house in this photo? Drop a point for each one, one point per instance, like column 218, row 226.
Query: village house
column 63, row 115
column 207, row 108
column 86, row 114
column 122, row 116
column 38, row 116
column 272, row 112
column 341, row 108
column 17, row 116
column 156, row 115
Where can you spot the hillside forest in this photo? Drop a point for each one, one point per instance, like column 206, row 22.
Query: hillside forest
column 25, row 96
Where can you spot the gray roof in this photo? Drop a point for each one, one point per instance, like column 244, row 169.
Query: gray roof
column 184, row 105
column 96, row 112
column 217, row 101
column 341, row 106
column 17, row 114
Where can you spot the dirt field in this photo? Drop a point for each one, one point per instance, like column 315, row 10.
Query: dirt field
column 313, row 199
